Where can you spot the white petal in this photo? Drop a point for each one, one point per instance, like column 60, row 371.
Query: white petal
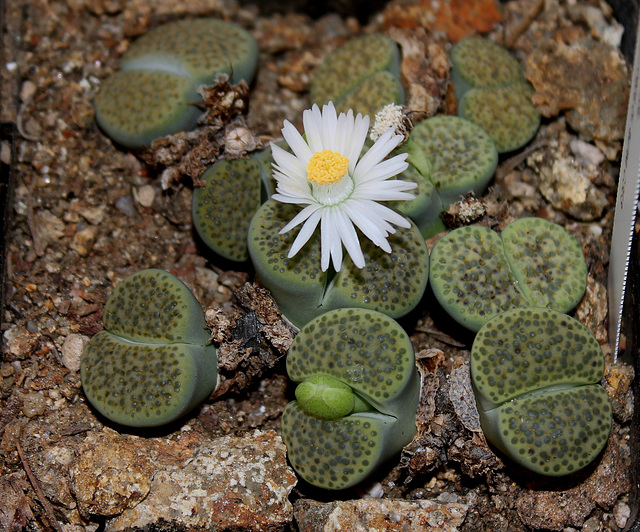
column 327, row 243
column 297, row 143
column 391, row 190
column 329, row 123
column 383, row 170
column 288, row 164
column 356, row 141
column 312, row 121
column 303, row 215
column 349, row 237
column 374, row 229
column 380, row 149
column 389, row 215
column 305, row 233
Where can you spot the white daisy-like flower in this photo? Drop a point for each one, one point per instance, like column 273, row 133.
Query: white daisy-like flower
column 340, row 189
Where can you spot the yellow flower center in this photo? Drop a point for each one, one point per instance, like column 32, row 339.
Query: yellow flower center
column 327, row 167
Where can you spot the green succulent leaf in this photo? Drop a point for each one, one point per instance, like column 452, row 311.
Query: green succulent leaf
column 223, row 208
column 196, row 48
column 370, row 354
column 478, row 62
column 477, row 274
column 152, row 363
column 535, row 375
column 345, row 72
column 325, row 397
column 506, row 113
column 135, row 107
column 392, row 283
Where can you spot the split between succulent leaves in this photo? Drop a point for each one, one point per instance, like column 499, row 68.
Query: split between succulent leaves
column 356, row 399
column 363, row 75
column 493, row 92
column 154, row 93
column 476, row 273
column 536, row 378
column 391, row 283
column 153, row 361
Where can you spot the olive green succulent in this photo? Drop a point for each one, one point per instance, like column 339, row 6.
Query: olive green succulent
column 222, row 210
column 356, row 399
column 392, row 283
column 477, row 274
column 536, row 377
column 154, row 93
column 153, row 361
column 362, row 75
column 493, row 92
column 449, row 157
column 478, row 62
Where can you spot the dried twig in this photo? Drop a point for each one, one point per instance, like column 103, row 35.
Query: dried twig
column 36, row 486
column 38, row 248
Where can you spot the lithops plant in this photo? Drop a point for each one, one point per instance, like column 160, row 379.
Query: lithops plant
column 362, row 75
column 477, row 273
column 536, row 378
column 153, row 361
column 493, row 93
column 392, row 283
column 453, row 157
column 356, row 399
column 222, row 210
column 154, row 93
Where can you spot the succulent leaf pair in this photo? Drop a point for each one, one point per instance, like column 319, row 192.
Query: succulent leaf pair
column 362, row 75
column 154, row 93
column 392, row 283
column 356, row 399
column 493, row 92
column 477, row 273
column 536, row 377
column 449, row 157
column 153, row 361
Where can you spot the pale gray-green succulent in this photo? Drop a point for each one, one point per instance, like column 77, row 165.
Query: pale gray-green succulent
column 477, row 273
column 449, row 157
column 363, row 75
column 155, row 92
column 392, row 283
column 153, row 361
column 356, row 399
column 536, row 378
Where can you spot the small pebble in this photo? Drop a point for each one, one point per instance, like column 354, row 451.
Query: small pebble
column 621, row 513
column 33, row 404
column 125, row 205
column 586, row 153
column 72, row 351
column 145, row 195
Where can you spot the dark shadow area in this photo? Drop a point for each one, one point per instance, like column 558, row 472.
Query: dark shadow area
column 363, row 10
